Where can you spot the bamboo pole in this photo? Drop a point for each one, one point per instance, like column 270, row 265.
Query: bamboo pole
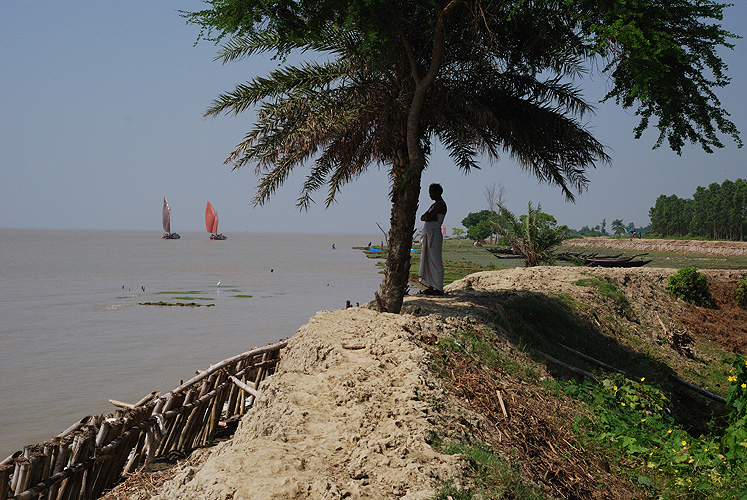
column 699, row 390
column 244, row 387
column 19, row 472
column 193, row 419
column 5, row 471
column 571, row 368
column 589, row 358
column 259, row 350
column 37, row 465
column 10, row 458
column 76, row 426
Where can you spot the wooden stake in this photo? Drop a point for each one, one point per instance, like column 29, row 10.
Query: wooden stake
column 500, row 400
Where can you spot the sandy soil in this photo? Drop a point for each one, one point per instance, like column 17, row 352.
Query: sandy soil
column 350, row 410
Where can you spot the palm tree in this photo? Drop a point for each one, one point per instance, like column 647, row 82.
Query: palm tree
column 347, row 113
column 534, row 235
column 618, row 227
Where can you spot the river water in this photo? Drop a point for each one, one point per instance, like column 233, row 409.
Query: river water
column 74, row 332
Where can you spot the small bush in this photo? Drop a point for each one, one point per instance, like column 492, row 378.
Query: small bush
column 691, row 286
column 742, row 292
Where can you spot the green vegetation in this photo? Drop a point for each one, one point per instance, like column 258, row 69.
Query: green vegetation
column 494, row 477
column 243, row 296
column 691, row 286
column 534, row 235
column 630, row 417
column 646, row 426
column 607, row 289
column 716, row 212
column 742, row 292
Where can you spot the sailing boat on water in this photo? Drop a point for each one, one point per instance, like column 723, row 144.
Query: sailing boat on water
column 166, row 220
column 211, row 223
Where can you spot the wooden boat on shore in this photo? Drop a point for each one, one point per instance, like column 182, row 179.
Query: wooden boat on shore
column 166, row 221
column 617, row 261
column 211, row 223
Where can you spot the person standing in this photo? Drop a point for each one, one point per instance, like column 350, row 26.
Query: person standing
column 431, row 272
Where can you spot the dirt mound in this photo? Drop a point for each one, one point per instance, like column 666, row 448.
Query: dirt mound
column 347, row 414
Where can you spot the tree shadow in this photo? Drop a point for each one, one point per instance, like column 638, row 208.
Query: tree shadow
column 549, row 329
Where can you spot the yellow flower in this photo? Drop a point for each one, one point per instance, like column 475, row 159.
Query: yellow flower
column 614, row 387
column 643, row 420
column 745, row 362
column 684, row 443
column 643, row 378
column 669, row 431
column 622, row 404
column 744, row 386
column 732, row 378
column 689, row 480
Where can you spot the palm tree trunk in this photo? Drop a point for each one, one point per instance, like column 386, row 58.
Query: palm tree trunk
column 405, row 195
column 407, row 168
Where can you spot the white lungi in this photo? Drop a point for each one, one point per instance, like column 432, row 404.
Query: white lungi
column 431, row 272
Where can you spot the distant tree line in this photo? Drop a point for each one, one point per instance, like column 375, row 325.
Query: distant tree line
column 717, row 212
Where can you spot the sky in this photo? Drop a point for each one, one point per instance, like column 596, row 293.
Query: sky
column 101, row 108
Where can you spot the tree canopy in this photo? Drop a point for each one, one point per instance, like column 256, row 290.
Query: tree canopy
column 385, row 80
column 718, row 212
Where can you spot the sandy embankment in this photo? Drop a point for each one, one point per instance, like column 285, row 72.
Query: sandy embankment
column 659, row 245
column 346, row 415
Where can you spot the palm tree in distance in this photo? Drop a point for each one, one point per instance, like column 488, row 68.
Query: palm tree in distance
column 534, row 235
column 346, row 113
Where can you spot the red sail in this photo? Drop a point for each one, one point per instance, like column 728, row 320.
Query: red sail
column 211, row 219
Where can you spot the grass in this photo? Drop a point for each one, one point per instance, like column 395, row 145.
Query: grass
column 636, row 422
column 494, row 477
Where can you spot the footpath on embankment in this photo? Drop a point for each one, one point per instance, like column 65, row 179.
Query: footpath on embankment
column 738, row 248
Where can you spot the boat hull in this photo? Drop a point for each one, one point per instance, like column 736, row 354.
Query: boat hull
column 617, row 263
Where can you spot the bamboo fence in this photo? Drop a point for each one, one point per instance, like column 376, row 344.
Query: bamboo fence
column 93, row 454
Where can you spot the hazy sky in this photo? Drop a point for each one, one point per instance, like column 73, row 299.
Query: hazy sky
column 101, row 117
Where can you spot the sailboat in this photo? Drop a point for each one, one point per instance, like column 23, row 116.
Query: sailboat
column 166, row 219
column 211, row 223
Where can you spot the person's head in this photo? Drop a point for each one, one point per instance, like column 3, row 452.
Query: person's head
column 435, row 191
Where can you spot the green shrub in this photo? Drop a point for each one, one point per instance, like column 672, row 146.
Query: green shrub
column 691, row 286
column 742, row 292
